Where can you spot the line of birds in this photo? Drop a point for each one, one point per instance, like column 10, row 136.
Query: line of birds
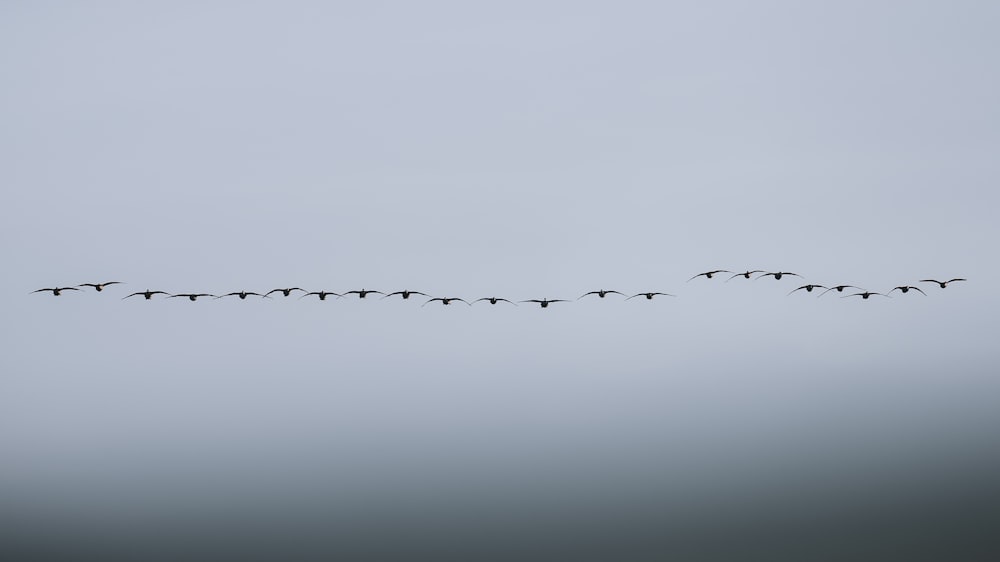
column 544, row 303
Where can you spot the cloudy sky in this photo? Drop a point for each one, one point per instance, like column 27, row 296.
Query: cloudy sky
column 523, row 150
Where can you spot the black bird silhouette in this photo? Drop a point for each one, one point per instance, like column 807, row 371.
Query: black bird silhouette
column 99, row 286
column 808, row 288
column 56, row 291
column 404, row 294
column 544, row 303
column 601, row 293
column 942, row 284
column 285, row 292
column 147, row 294
column 745, row 274
column 446, row 300
column 243, row 295
column 649, row 296
column 191, row 296
column 321, row 294
column 493, row 300
column 363, row 293
column 777, row 274
column 865, row 295
column 709, row 274
column 906, row 289
column 839, row 289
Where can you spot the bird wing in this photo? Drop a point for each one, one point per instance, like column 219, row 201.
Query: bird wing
column 917, row 289
column 955, row 279
column 930, row 281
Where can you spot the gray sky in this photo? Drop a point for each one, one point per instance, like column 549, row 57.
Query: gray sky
column 525, row 150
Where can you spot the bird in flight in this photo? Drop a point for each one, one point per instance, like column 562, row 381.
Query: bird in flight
column 544, row 303
column 99, row 286
column 942, row 284
column 709, row 274
column 363, row 293
column 404, row 294
column 777, row 274
column 649, row 296
column 243, row 295
column 745, row 274
column 808, row 288
column 493, row 300
column 906, row 289
column 147, row 294
column 865, row 295
column 446, row 300
column 321, row 294
column 191, row 296
column 601, row 293
column 56, row 291
column 839, row 289
column 285, row 292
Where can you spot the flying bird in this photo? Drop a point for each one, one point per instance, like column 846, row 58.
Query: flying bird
column 191, row 296
column 285, row 292
column 446, row 300
column 839, row 289
column 777, row 274
column 601, row 293
column 865, row 295
column 321, row 294
column 147, row 294
column 404, row 294
column 942, row 284
column 243, row 295
column 493, row 300
column 56, row 291
column 649, row 296
column 99, row 286
column 544, row 303
column 808, row 288
column 906, row 289
column 363, row 293
column 745, row 274
column 709, row 274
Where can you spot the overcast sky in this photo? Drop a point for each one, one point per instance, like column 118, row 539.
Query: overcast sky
column 523, row 150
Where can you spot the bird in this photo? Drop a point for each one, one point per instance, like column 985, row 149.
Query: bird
column 363, row 293
column 99, row 286
column 445, row 300
column 285, row 292
column 906, row 288
column 709, row 274
column 839, row 289
column 943, row 284
column 191, row 296
column 649, row 296
column 745, row 274
column 56, row 291
column 777, row 274
column 243, row 295
column 601, row 293
column 865, row 295
column 404, row 294
column 544, row 303
column 321, row 294
column 147, row 294
column 493, row 300
column 808, row 288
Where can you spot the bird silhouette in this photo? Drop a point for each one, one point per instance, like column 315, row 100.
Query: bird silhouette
column 445, row 300
column 493, row 300
column 745, row 274
column 243, row 295
column 906, row 289
column 601, row 293
column 709, row 274
column 808, row 288
column 544, row 303
column 649, row 296
column 56, row 291
column 147, row 294
column 942, row 284
column 99, row 286
column 865, row 295
column 285, row 292
column 404, row 294
column 321, row 294
column 839, row 289
column 777, row 274
column 363, row 293
column 191, row 296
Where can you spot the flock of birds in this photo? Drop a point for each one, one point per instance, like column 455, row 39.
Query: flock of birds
column 544, row 303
